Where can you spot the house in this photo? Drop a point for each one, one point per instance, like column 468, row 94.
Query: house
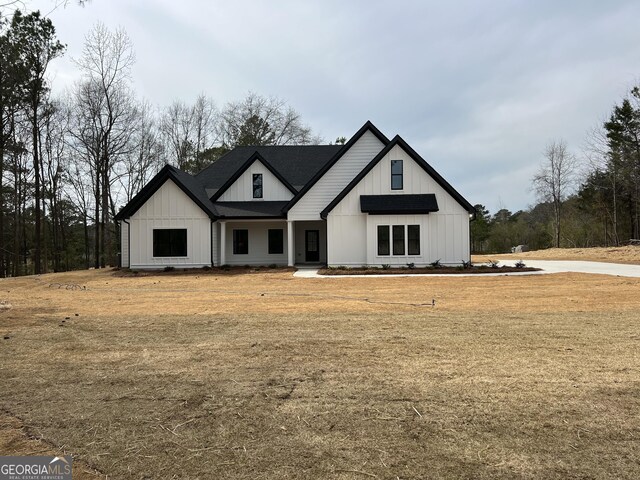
column 371, row 201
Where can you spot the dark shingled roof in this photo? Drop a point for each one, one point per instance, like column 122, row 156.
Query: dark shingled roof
column 398, row 204
column 296, row 163
column 250, row 209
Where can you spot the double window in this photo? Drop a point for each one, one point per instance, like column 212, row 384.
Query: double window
column 257, row 185
column 397, row 182
column 169, row 242
column 399, row 239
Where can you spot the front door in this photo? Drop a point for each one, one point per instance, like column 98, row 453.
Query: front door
column 312, row 245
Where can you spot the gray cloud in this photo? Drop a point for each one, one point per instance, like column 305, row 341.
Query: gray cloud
column 478, row 88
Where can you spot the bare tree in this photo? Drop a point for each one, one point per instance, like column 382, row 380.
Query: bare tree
column 554, row 180
column 108, row 117
column 259, row 120
column 189, row 131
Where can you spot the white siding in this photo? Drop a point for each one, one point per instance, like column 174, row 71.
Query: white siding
column 242, row 189
column 170, row 207
column 258, row 243
column 444, row 235
column 338, row 177
column 124, row 244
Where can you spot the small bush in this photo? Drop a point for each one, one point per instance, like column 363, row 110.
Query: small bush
column 466, row 264
column 411, row 265
column 341, row 267
column 386, row 266
column 520, row 264
column 436, row 264
column 493, row 263
column 206, row 268
column 273, row 265
column 226, row 267
column 169, row 268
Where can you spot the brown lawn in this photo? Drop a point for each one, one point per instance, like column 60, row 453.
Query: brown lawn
column 624, row 254
column 263, row 375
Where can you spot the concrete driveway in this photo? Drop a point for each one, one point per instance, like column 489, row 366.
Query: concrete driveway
column 547, row 266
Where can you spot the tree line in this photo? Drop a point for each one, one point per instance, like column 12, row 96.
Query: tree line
column 68, row 162
column 586, row 200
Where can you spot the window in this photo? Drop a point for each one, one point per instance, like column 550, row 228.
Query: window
column 383, row 240
column 257, row 185
column 240, row 242
column 413, row 239
column 170, row 242
column 398, row 239
column 396, row 175
column 276, row 241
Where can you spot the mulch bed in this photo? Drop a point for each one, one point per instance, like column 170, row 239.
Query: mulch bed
column 425, row 270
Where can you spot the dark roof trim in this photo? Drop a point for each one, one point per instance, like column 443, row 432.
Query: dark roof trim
column 167, row 172
column 397, row 140
column 252, row 159
column 248, row 209
column 417, row 204
column 367, row 127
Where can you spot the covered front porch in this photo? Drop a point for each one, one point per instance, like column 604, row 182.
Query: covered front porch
column 243, row 241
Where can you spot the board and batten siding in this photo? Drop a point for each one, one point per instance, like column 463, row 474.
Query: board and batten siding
column 336, row 178
column 242, row 189
column 258, row 251
column 352, row 235
column 124, row 244
column 170, row 207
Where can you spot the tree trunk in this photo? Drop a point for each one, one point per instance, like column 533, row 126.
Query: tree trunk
column 36, row 168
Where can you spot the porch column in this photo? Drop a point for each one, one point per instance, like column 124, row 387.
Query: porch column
column 291, row 248
column 223, row 243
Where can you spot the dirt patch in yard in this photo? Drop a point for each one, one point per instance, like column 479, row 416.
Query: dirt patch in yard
column 426, row 270
column 271, row 376
column 626, row 254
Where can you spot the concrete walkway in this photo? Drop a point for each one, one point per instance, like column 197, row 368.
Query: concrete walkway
column 547, row 266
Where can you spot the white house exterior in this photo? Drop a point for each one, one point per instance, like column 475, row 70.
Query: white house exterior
column 372, row 201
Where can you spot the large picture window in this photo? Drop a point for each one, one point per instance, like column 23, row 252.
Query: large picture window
column 257, row 185
column 398, row 239
column 240, row 242
column 169, row 242
column 397, row 182
column 383, row 240
column 413, row 239
column 276, row 241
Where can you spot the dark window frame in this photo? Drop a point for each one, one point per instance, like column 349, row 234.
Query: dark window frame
column 170, row 242
column 395, row 176
column 274, row 242
column 413, row 244
column 384, row 245
column 398, row 244
column 259, row 187
column 240, row 245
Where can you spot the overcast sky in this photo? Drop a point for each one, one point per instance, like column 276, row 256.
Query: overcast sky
column 477, row 88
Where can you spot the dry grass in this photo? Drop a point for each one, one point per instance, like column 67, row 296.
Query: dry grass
column 268, row 376
column 625, row 254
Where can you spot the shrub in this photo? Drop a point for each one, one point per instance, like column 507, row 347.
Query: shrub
column 493, row 263
column 520, row 264
column 206, row 268
column 436, row 264
column 466, row 264
column 169, row 268
column 386, row 266
column 273, row 265
column 411, row 265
